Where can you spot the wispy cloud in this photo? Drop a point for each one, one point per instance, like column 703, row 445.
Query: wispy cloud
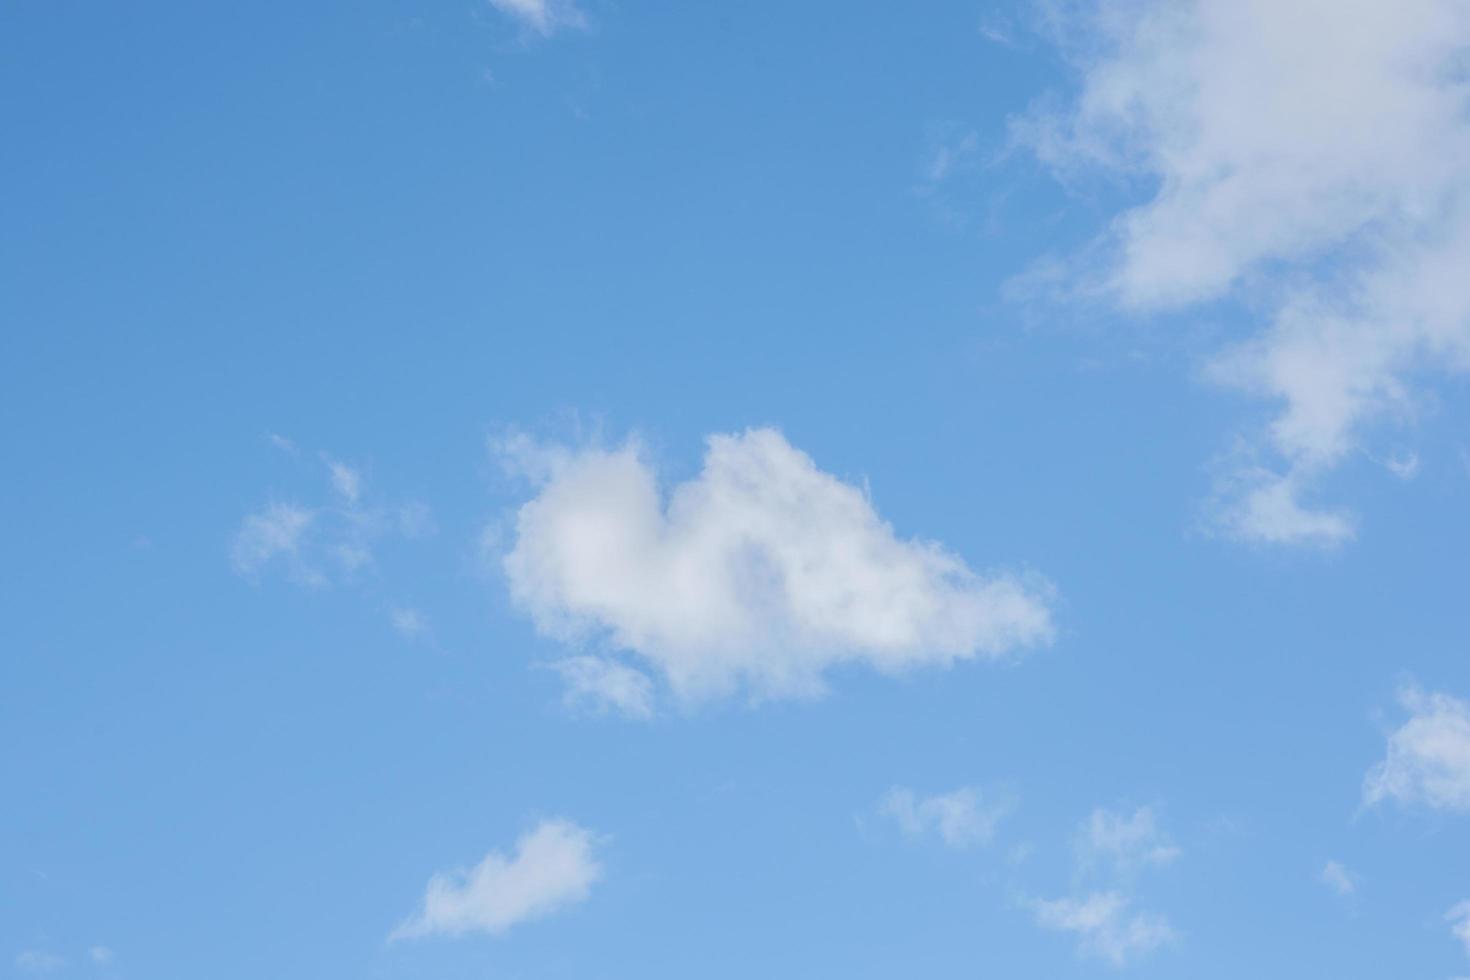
column 1308, row 158
column 408, row 623
column 1428, row 760
column 963, row 818
column 760, row 573
column 330, row 541
column 1106, row 926
column 345, row 480
column 602, row 684
column 282, row 443
column 1338, row 878
column 1125, row 842
column 553, row 867
column 1459, row 920
column 545, row 17
column 274, row 532
column 1113, row 847
column 39, row 961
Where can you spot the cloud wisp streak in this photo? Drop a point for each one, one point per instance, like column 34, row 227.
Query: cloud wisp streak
column 961, row 819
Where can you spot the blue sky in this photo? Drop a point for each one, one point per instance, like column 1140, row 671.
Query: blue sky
column 531, row 488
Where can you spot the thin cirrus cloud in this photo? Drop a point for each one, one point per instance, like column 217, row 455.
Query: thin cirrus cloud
column 1338, row 878
column 554, row 866
column 963, row 818
column 330, row 541
column 1428, row 757
column 38, row 961
column 602, row 684
column 545, row 17
column 1459, row 920
column 1106, row 926
column 759, row 574
column 1310, row 158
column 1124, row 842
column 1113, row 846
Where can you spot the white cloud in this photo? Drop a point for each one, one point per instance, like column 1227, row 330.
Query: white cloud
column 1428, row 760
column 1112, row 848
column 409, row 623
column 281, row 442
column 275, row 531
column 1459, row 920
column 1124, row 842
column 553, row 867
column 345, row 480
column 333, row 541
column 38, row 961
column 1338, row 878
column 1106, row 926
column 762, row 571
column 1309, row 157
column 101, row 955
column 604, row 684
column 962, row 818
column 545, row 17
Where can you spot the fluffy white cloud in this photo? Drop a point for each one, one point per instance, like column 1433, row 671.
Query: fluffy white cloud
column 962, row 818
column 1106, row 926
column 545, row 17
column 1311, row 157
column 1338, row 878
column 604, row 684
column 553, row 867
column 1126, row 842
column 1459, row 920
column 762, row 571
column 1428, row 760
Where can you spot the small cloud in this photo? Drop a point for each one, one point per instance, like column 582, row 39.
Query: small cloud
column 275, row 531
column 545, row 17
column 603, row 684
column 1106, row 926
column 1338, row 878
column 1126, row 842
column 553, row 867
column 1459, row 920
column 1405, row 466
column 997, row 30
column 1114, row 845
column 345, row 480
column 318, row 545
column 1428, row 760
column 1252, row 503
column 281, row 442
column 962, row 818
column 101, row 955
column 409, row 623
column 38, row 961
